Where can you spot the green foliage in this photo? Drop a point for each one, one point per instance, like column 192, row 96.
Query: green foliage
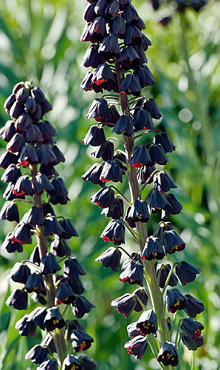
column 40, row 40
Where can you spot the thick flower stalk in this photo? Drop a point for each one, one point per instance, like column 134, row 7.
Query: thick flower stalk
column 51, row 276
column 136, row 151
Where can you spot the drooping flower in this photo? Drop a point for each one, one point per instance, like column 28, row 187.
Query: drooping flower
column 168, row 354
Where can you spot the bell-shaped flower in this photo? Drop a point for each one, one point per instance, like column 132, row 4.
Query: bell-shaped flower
column 152, row 249
column 191, row 327
column 147, row 322
column 138, row 212
column 175, row 300
column 114, row 232
column 140, row 157
column 193, row 306
column 125, row 304
column 53, row 319
column 37, row 354
column 80, row 340
column 162, row 272
column 111, row 172
column 168, row 354
column 186, row 272
column 18, row 299
column 9, row 212
column 110, row 258
column 137, row 346
column 81, row 306
column 163, row 182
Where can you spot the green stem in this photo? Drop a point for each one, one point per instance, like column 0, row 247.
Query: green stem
column 151, row 279
column 51, row 292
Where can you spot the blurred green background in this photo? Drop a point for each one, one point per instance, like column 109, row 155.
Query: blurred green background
column 41, row 40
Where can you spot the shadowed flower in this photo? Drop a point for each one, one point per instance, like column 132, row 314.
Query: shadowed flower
column 110, row 258
column 114, row 232
column 175, row 300
column 186, row 272
column 18, row 299
column 37, row 354
column 153, row 249
column 137, row 346
column 80, row 340
column 125, row 304
column 147, row 322
column 168, row 354
column 193, row 306
column 191, row 327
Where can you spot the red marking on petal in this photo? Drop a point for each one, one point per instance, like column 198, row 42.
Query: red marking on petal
column 142, row 258
column 24, row 163
column 104, row 180
column 59, row 301
column 106, row 239
column 197, row 333
column 16, row 193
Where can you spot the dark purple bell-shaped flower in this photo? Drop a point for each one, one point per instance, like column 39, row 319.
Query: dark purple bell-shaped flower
column 156, row 201
column 72, row 268
column 81, row 306
column 100, row 112
column 117, row 212
column 186, row 272
column 11, row 174
column 93, row 174
column 18, row 299
column 69, row 229
column 8, row 158
column 172, row 242
column 104, row 198
column 9, row 212
column 138, row 212
column 124, row 125
column 53, row 319
column 71, row 362
column 87, row 363
column 137, row 346
column 147, row 322
column 19, row 273
column 23, row 186
column 175, row 300
column 21, row 234
column 130, row 85
column 52, row 226
column 191, row 327
column 153, row 249
column 48, row 364
column 162, row 272
column 110, row 258
column 105, row 151
column 59, row 247
column 64, row 293
column 60, row 192
column 192, row 343
column 143, row 121
column 49, row 264
column 11, row 246
column 26, row 327
column 111, row 172
column 37, row 354
column 163, row 182
column 157, row 154
column 193, row 306
column 125, row 304
column 80, row 340
column 140, row 157
column 132, row 330
column 114, row 232
column 34, row 216
column 168, row 354
column 141, row 293
column 35, row 283
column 132, row 273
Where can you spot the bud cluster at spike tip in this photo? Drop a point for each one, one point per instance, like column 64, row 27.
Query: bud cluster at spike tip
column 118, row 135
column 29, row 164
